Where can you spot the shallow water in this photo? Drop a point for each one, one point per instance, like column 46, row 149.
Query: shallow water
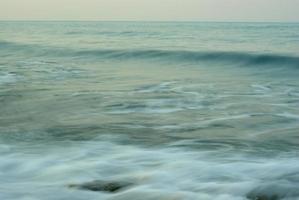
column 181, row 110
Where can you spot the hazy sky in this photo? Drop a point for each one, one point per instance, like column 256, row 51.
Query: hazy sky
column 201, row 10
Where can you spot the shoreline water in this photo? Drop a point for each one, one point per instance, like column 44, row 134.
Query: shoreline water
column 149, row 111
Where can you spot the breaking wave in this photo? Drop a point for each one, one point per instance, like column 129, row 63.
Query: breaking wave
column 242, row 58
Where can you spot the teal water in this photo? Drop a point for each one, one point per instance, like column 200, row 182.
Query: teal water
column 183, row 110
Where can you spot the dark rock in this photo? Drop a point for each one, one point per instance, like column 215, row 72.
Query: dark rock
column 276, row 191
column 262, row 197
column 102, row 186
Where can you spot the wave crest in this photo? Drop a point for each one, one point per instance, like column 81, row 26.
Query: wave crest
column 242, row 58
column 196, row 56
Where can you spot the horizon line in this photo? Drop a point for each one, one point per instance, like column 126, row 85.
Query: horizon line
column 112, row 20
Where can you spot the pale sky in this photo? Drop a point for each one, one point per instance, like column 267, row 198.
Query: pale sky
column 151, row 10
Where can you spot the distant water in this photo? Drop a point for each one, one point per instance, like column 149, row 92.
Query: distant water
column 183, row 111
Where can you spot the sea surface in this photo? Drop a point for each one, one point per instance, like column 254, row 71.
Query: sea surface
column 180, row 110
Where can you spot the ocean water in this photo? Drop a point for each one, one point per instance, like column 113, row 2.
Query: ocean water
column 181, row 110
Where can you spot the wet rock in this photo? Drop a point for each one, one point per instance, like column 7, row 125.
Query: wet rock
column 274, row 192
column 262, row 197
column 102, row 186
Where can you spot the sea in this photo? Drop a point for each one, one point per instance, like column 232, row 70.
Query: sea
column 179, row 110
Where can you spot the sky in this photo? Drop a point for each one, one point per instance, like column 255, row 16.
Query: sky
column 151, row 10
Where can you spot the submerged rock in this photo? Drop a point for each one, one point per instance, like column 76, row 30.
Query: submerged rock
column 102, row 186
column 274, row 192
column 262, row 197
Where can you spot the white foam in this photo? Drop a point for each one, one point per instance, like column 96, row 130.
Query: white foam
column 167, row 173
column 6, row 78
column 261, row 88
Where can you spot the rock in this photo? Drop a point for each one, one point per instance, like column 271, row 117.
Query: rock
column 276, row 191
column 102, row 186
column 265, row 192
column 262, row 197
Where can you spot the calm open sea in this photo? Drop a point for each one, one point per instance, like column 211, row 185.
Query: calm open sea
column 182, row 111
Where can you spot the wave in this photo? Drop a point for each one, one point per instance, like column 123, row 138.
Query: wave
column 241, row 58
column 196, row 56
column 5, row 44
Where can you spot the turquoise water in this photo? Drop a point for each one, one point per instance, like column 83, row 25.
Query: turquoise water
column 181, row 110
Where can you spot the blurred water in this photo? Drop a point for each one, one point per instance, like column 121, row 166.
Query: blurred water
column 182, row 110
